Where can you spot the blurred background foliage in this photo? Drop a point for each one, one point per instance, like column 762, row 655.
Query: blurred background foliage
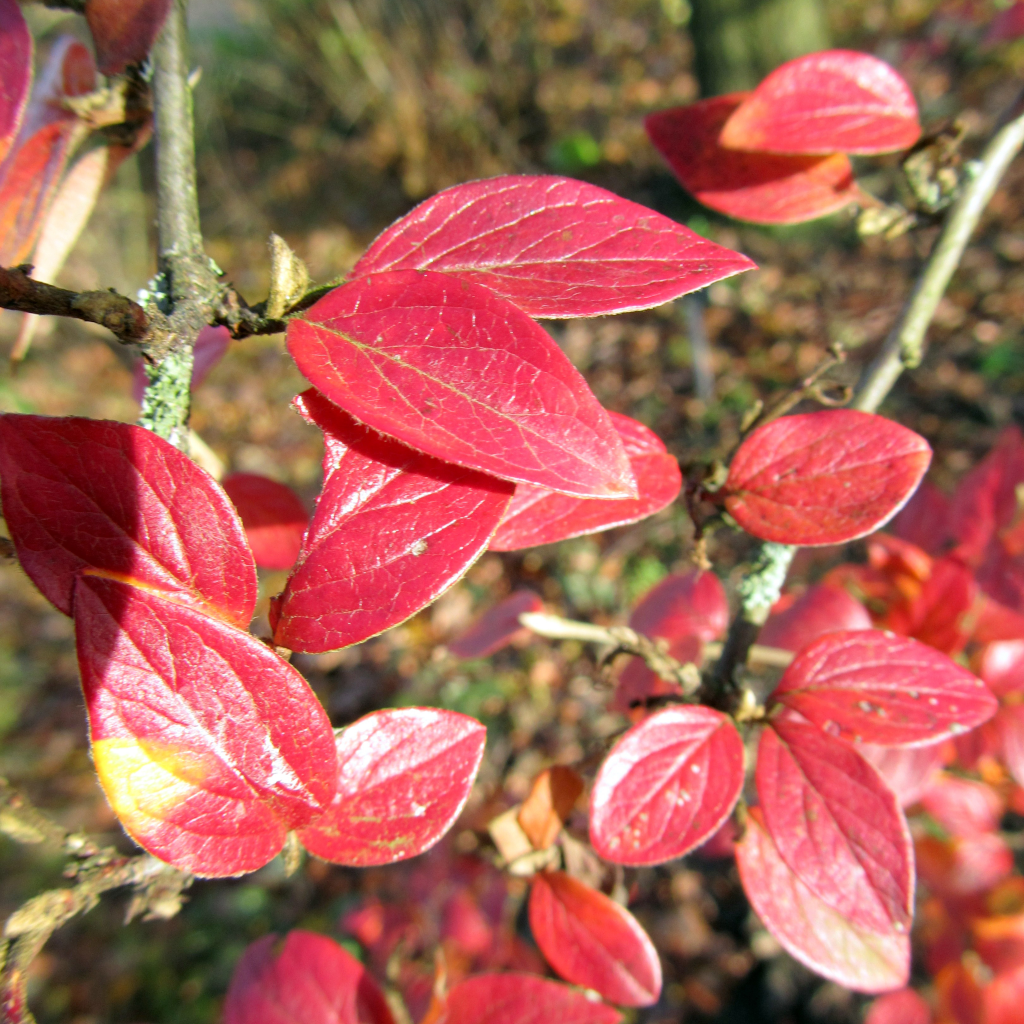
column 323, row 120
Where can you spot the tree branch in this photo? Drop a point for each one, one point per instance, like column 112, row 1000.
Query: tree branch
column 904, row 347
column 125, row 319
column 187, row 288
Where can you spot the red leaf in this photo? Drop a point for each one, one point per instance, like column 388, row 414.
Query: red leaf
column 124, row 30
column 31, row 173
column 1004, row 996
column 392, row 530
column 986, row 499
column 941, row 614
column 496, row 627
column 451, row 369
column 116, row 499
column 15, row 71
column 907, row 771
column 902, row 1007
column 874, row 687
column 963, row 867
column 1006, row 25
column 403, row 778
column 638, row 683
column 522, row 999
column 667, row 786
column 208, row 745
column 591, row 941
column 924, row 520
column 759, row 187
column 823, row 477
column 838, row 101
column 553, row 246
column 539, row 516
column 310, row 980
column 684, row 604
column 811, row 930
column 819, row 610
column 999, row 941
column 1009, row 727
column 837, row 826
column 963, row 807
column 1002, row 667
column 273, row 516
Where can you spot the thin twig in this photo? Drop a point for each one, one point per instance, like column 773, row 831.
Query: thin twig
column 904, row 347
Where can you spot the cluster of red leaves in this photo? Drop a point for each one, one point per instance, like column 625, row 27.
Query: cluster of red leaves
column 209, row 745
column 826, row 857
column 778, row 155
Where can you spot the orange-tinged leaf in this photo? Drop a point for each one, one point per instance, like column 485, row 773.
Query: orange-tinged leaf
column 666, row 786
column 209, row 746
column 309, row 980
column 451, row 369
column 760, row 187
column 497, row 626
column 124, row 30
column 273, row 516
column 393, row 529
column 539, row 516
column 31, row 173
column 547, row 808
column 811, row 930
column 591, row 941
column 118, row 500
column 837, row 101
column 823, row 477
column 15, row 71
column 403, row 777
column 552, row 246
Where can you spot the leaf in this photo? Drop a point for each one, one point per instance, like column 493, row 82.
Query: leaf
column 902, row 1007
column 208, row 745
column 393, row 529
column 1004, row 996
column 32, row 170
column 547, row 808
column 964, row 808
column 667, row 786
column 124, row 30
column 837, row 101
column 999, row 941
column 273, row 516
column 403, row 778
column 962, row 867
column 684, row 604
column 907, row 771
column 924, row 520
column 809, row 929
column 118, row 500
column 452, row 370
column 1002, row 667
column 15, row 71
column 496, row 627
column 638, row 684
column 941, row 615
column 1009, row 728
column 552, row 246
column 874, row 687
column 823, row 477
column 820, row 609
column 837, row 826
column 539, row 516
column 309, row 980
column 591, row 941
column 522, row 999
column 760, row 187
column 1006, row 25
